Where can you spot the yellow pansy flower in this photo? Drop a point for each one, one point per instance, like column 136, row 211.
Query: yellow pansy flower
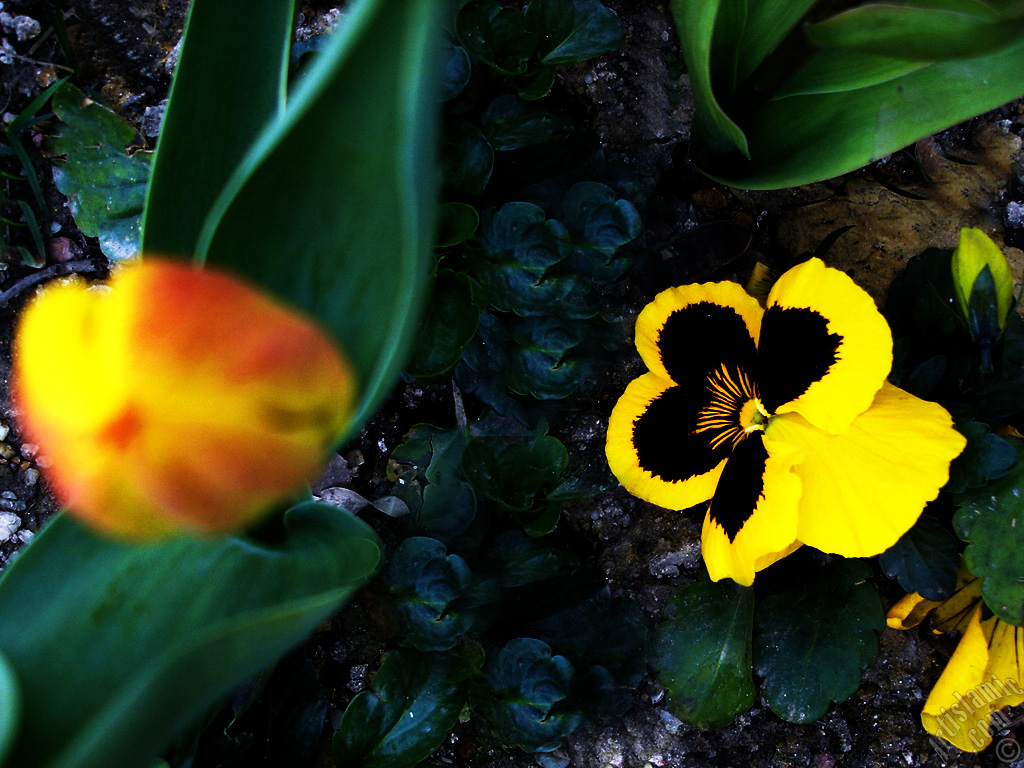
column 782, row 417
column 984, row 674
column 176, row 400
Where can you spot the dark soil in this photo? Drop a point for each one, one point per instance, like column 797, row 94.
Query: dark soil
column 638, row 104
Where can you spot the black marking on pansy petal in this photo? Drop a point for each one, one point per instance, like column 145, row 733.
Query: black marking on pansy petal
column 741, row 486
column 794, row 351
column 665, row 440
column 699, row 338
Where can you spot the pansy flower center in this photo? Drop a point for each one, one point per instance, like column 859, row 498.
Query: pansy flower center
column 734, row 410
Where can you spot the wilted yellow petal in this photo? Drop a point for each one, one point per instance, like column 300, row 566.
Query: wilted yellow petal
column 179, row 399
column 910, row 611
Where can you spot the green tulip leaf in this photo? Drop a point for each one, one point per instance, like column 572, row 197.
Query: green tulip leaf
column 916, row 32
column 991, row 521
column 702, row 653
column 447, row 326
column 10, row 708
column 695, row 21
column 345, row 232
column 527, row 685
column 415, row 700
column 814, row 638
column 117, row 647
column 766, row 25
column 193, row 162
column 924, row 560
column 573, row 30
column 100, row 172
column 986, row 458
column 834, row 70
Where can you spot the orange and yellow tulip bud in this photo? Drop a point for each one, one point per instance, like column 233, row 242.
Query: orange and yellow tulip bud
column 178, row 400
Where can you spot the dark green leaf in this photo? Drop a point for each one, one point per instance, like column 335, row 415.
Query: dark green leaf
column 10, row 708
column 813, row 639
column 919, row 33
column 766, row 25
column 527, row 685
column 426, row 582
column 246, row 42
column 597, row 220
column 924, row 379
column 458, row 221
column 345, row 232
column 449, row 323
column 983, row 316
column 986, row 457
column 541, row 519
column 702, row 653
column 513, row 473
column 415, row 700
column 573, row 30
column 924, row 560
column 152, row 635
column 495, row 35
column 105, row 183
column 991, row 521
column 456, row 71
column 535, row 85
column 448, row 510
column 521, row 560
column 467, row 160
column 511, row 123
column 541, row 364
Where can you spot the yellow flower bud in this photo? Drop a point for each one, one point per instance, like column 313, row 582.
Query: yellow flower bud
column 177, row 399
column 973, row 253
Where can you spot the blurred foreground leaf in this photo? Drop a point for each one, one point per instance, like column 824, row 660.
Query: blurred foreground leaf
column 117, row 647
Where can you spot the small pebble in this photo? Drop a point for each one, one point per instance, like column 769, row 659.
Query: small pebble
column 9, row 523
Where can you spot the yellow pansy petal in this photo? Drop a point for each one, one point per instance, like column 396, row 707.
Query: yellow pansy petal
column 865, row 488
column 954, row 613
column 752, row 520
column 1004, row 684
column 947, row 712
column 824, row 348
column 691, row 330
column 910, row 611
column 651, row 449
column 178, row 399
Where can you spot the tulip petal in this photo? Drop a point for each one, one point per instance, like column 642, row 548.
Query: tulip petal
column 865, row 488
column 691, row 330
column 200, row 402
column 824, row 348
column 651, row 445
column 752, row 520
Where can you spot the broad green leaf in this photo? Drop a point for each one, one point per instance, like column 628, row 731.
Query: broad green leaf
column 924, row 560
column 986, row 457
column 991, row 521
column 415, row 700
column 808, row 138
column 118, row 647
column 726, row 42
column 332, row 209
column 767, row 24
column 834, row 70
column 702, row 653
column 447, row 326
column 695, row 21
column 573, row 30
column 104, row 181
column 814, row 638
column 918, row 33
column 211, row 122
column 527, row 685
column 426, row 583
column 10, row 708
column 495, row 35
